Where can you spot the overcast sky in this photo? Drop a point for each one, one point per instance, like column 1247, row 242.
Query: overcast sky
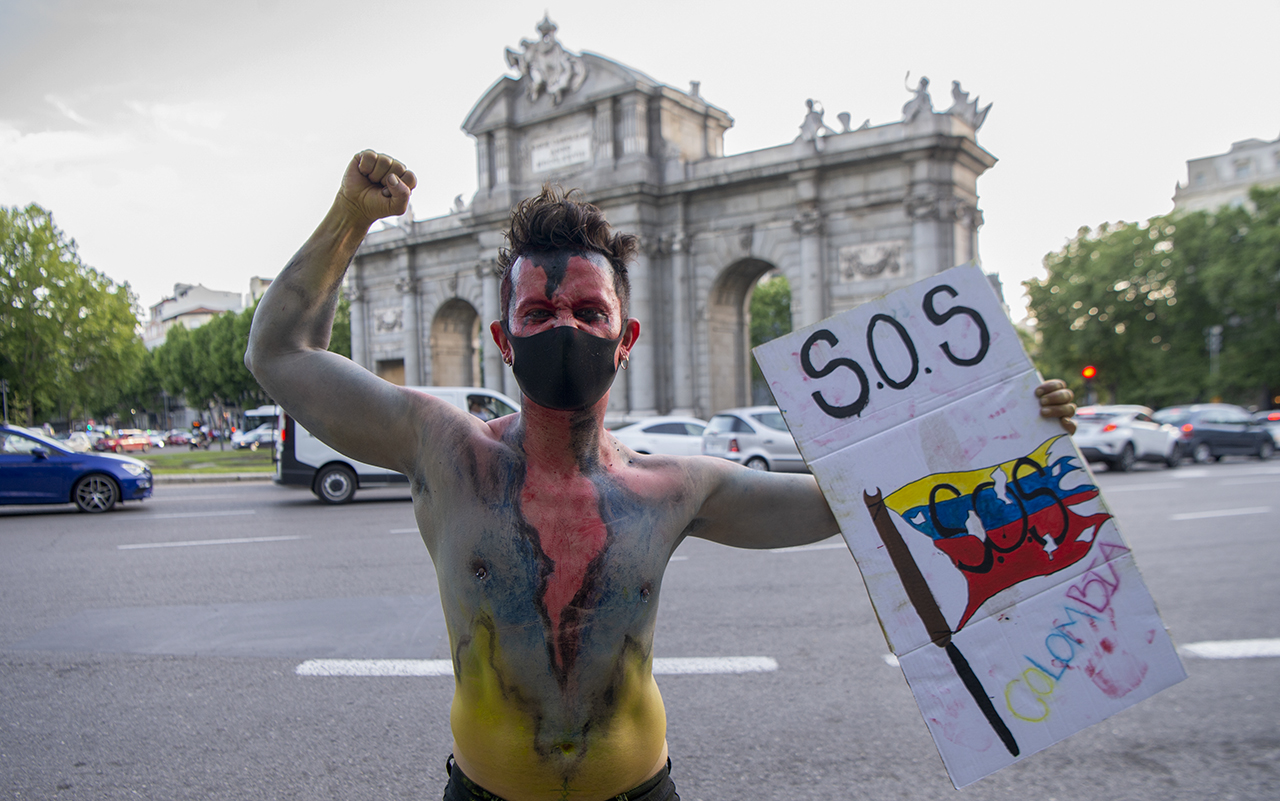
column 201, row 142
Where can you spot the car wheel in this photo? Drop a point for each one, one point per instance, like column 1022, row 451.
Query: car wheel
column 335, row 484
column 119, row 449
column 94, row 494
column 1265, row 449
column 757, row 463
column 1125, row 461
column 1202, row 453
column 1175, row 456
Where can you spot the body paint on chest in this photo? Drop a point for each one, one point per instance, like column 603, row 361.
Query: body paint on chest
column 572, row 538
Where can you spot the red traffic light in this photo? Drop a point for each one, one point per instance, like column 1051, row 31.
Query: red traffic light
column 1089, row 372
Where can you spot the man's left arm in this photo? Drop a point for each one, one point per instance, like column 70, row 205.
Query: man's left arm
column 752, row 509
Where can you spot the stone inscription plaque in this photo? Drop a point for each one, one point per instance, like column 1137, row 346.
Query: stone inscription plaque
column 562, row 150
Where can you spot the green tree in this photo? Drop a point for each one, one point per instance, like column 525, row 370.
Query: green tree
column 68, row 334
column 340, row 339
column 1137, row 301
column 770, row 319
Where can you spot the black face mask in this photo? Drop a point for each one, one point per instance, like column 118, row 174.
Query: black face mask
column 563, row 368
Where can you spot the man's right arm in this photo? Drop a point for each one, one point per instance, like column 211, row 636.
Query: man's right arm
column 337, row 400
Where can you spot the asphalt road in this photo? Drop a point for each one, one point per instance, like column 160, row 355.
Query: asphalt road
column 153, row 652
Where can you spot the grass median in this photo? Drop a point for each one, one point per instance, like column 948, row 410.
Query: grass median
column 179, row 460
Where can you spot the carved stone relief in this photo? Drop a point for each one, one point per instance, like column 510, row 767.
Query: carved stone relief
column 871, row 260
column 390, row 319
column 808, row 221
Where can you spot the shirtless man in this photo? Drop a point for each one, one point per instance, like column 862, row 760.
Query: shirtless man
column 548, row 536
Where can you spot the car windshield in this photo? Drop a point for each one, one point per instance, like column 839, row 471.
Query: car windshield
column 1173, row 417
column 1094, row 417
column 25, row 443
column 724, row 423
column 771, row 419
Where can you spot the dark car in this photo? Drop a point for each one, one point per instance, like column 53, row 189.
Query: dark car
column 1209, row 431
column 35, row 469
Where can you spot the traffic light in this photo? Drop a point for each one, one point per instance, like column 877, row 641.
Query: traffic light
column 1089, row 372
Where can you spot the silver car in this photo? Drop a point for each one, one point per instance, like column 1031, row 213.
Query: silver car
column 1123, row 435
column 755, row 436
column 676, row 436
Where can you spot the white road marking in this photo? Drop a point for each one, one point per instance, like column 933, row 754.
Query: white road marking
column 890, row 660
column 672, row 666
column 403, row 531
column 227, row 513
column 375, row 667
column 188, row 543
column 1249, row 510
column 1138, row 487
column 1232, row 649
column 677, row 666
column 822, row 546
column 1261, row 480
column 678, row 559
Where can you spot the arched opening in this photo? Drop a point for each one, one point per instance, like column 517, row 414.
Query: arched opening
column 770, row 310
column 729, row 333
column 455, row 345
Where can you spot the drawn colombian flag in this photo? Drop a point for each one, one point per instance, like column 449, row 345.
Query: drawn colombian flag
column 1004, row 524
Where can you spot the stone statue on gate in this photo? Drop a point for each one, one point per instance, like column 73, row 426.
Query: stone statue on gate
column 546, row 66
column 964, row 109
column 813, row 126
column 920, row 101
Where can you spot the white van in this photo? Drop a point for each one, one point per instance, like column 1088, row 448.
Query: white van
column 304, row 461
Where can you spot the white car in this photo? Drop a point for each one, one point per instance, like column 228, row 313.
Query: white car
column 304, row 461
column 1123, row 435
column 243, row 439
column 672, row 435
column 754, row 436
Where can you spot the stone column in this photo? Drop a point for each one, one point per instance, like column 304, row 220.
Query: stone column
column 635, row 125
column 485, row 179
column 407, row 286
column 808, row 223
column 494, row 370
column 682, row 331
column 642, row 371
column 928, row 253
column 502, row 157
column 603, row 134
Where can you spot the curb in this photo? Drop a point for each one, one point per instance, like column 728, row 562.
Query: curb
column 208, row 478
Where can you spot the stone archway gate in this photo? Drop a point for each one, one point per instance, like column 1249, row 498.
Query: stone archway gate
column 846, row 216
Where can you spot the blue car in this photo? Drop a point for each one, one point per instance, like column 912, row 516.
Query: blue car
column 36, row 469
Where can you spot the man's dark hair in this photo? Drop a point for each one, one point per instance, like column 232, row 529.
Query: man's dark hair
column 556, row 222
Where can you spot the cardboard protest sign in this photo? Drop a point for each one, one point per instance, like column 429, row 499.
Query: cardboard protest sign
column 998, row 573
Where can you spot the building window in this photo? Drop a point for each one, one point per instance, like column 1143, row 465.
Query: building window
column 1201, row 178
column 1242, row 168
